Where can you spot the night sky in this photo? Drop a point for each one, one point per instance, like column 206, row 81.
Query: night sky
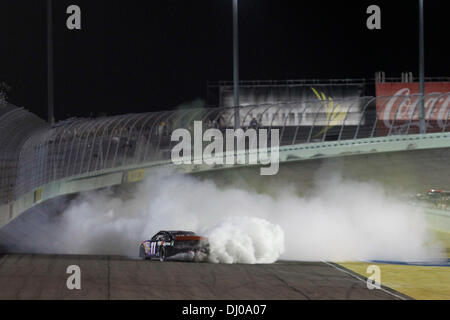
column 139, row 56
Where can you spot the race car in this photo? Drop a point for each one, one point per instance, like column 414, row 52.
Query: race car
column 175, row 244
column 439, row 198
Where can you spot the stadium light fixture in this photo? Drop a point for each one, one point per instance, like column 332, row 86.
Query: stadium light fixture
column 421, row 70
column 236, row 65
column 50, row 102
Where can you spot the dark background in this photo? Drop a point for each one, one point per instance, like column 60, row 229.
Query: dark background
column 139, row 56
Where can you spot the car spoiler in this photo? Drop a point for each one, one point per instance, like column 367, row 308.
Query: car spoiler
column 187, row 238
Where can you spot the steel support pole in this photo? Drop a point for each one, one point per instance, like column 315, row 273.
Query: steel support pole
column 236, row 65
column 421, row 71
column 50, row 106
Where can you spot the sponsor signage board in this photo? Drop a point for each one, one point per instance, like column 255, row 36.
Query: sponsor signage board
column 398, row 106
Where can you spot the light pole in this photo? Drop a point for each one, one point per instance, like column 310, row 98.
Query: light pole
column 421, row 70
column 50, row 109
column 236, row 65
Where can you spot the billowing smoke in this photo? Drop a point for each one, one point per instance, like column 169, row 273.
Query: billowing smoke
column 245, row 240
column 102, row 223
column 337, row 220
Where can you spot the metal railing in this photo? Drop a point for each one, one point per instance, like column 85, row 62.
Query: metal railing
column 37, row 154
column 342, row 81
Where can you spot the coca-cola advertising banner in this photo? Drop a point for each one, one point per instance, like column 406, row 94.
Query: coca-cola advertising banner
column 398, row 105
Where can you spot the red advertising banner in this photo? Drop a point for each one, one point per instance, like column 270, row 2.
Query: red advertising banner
column 398, row 107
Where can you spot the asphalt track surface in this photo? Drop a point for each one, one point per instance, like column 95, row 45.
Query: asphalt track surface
column 104, row 277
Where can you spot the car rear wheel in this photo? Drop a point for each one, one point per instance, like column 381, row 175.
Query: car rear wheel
column 162, row 255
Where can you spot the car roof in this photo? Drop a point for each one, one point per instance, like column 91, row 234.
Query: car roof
column 177, row 232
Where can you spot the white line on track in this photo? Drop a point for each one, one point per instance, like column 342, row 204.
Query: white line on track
column 361, row 279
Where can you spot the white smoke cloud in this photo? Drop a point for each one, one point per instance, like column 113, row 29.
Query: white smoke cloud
column 339, row 220
column 245, row 240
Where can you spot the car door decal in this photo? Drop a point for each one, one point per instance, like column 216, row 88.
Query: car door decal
column 146, row 247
